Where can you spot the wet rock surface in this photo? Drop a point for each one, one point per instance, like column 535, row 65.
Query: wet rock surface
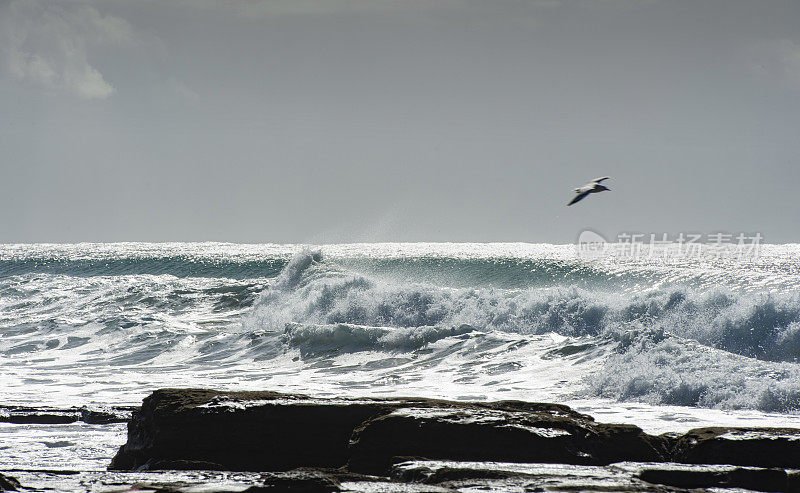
column 256, row 431
column 701, row 476
column 764, row 447
column 506, row 434
column 183, row 439
column 267, row 431
column 8, row 483
column 51, row 415
column 746, row 478
column 498, row 476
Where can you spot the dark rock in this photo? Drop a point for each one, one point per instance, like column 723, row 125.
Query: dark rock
column 762, row 447
column 269, row 431
column 106, row 416
column 48, row 415
column 497, row 476
column 793, row 481
column 193, row 429
column 256, row 431
column 7, row 483
column 505, row 433
column 299, row 480
column 31, row 415
column 456, row 473
column 179, row 465
column 746, row 478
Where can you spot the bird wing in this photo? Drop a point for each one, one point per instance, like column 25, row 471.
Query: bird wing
column 578, row 197
column 598, row 180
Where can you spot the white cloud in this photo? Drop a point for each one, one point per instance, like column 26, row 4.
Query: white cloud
column 46, row 43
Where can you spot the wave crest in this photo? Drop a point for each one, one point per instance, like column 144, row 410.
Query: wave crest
column 763, row 327
column 676, row 345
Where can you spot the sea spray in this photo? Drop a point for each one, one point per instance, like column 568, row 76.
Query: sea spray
column 458, row 320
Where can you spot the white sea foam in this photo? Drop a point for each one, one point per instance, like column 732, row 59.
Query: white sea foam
column 108, row 323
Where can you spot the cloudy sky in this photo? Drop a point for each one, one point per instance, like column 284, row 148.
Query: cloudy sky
column 396, row 120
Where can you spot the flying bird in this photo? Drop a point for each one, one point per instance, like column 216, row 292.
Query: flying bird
column 593, row 186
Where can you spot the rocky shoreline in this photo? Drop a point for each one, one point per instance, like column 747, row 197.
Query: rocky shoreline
column 293, row 442
column 52, row 415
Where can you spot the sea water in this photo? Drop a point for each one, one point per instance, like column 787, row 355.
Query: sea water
column 668, row 345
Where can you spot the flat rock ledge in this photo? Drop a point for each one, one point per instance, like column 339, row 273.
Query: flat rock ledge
column 56, row 416
column 403, row 438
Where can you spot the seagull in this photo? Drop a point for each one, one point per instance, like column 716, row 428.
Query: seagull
column 593, row 186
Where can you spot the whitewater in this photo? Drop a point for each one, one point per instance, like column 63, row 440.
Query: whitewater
column 667, row 345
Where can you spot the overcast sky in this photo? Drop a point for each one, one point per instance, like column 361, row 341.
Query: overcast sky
column 396, row 120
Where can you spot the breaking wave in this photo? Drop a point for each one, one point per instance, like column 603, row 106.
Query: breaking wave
column 311, row 291
column 497, row 321
column 675, row 345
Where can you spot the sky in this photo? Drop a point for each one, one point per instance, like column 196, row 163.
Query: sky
column 321, row 121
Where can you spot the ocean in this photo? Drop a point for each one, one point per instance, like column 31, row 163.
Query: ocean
column 667, row 344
